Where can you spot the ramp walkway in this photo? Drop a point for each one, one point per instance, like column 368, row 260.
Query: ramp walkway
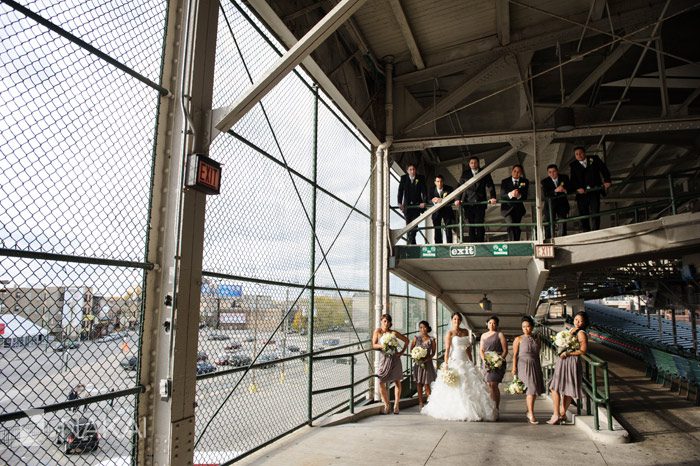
column 511, row 277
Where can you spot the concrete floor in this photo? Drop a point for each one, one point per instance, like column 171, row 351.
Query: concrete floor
column 665, row 431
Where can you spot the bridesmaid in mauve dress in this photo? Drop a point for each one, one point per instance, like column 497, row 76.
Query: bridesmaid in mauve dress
column 424, row 373
column 566, row 381
column 495, row 341
column 390, row 369
column 526, row 351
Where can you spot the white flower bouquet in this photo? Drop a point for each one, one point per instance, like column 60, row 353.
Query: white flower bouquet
column 419, row 354
column 565, row 342
column 493, row 361
column 516, row 387
column 390, row 344
column 448, row 376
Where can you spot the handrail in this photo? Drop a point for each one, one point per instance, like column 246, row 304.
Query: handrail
column 590, row 379
column 671, row 201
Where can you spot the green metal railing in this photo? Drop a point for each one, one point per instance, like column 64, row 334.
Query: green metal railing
column 636, row 213
column 596, row 386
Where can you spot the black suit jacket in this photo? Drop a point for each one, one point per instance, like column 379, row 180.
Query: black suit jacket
column 446, row 209
column 590, row 177
column 560, row 203
column 510, row 208
column 412, row 193
column 482, row 190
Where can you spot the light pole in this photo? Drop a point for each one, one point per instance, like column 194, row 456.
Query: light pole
column 253, row 385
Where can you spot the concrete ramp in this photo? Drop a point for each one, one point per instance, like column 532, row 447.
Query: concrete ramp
column 460, row 275
column 675, row 235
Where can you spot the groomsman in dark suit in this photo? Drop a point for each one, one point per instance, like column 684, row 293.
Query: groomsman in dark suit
column 412, row 198
column 483, row 190
column 515, row 188
column 445, row 214
column 590, row 178
column 555, row 188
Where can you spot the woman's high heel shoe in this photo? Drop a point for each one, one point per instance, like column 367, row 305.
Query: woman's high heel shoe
column 554, row 421
column 532, row 420
column 385, row 409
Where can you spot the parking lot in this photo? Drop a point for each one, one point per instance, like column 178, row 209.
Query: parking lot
column 44, row 374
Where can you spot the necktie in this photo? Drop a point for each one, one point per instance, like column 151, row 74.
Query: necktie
column 556, row 181
column 583, row 162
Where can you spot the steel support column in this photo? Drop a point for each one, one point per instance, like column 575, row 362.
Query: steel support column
column 175, row 427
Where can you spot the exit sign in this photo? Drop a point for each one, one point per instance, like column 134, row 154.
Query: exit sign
column 203, row 174
column 544, row 251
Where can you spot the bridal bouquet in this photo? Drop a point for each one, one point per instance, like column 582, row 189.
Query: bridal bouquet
column 565, row 342
column 448, row 376
column 516, row 387
column 419, row 354
column 493, row 361
column 390, row 344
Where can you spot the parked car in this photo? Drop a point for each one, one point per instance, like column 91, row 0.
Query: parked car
column 77, row 435
column 204, row 367
column 218, row 337
column 240, row 360
column 293, row 348
column 202, row 356
column 130, row 363
column 331, row 341
column 223, row 359
column 267, row 358
column 232, row 346
column 345, row 360
column 66, row 345
column 110, row 337
column 249, row 339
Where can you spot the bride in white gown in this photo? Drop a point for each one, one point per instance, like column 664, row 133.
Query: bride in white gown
column 468, row 399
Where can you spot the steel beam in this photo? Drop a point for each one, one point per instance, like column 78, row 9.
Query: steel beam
column 286, row 63
column 268, row 15
column 178, row 340
column 503, row 21
column 594, row 76
column 629, row 127
column 407, row 33
column 482, row 52
column 457, row 95
column 663, row 88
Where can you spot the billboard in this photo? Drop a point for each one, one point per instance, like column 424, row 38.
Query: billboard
column 222, row 290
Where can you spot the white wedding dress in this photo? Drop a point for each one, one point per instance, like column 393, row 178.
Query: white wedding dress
column 468, row 399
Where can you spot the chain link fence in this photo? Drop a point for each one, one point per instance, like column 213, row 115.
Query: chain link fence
column 286, row 255
column 78, row 105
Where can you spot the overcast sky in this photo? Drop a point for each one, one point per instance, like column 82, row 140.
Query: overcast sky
column 76, row 139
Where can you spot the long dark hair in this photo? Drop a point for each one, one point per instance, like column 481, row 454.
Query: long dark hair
column 427, row 325
column 456, row 314
column 584, row 316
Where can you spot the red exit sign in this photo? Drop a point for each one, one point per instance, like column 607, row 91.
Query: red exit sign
column 544, row 251
column 203, row 174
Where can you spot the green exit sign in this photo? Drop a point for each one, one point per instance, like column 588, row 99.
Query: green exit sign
column 500, row 250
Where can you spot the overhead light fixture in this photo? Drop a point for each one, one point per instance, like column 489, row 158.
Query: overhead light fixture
column 564, row 119
column 485, row 303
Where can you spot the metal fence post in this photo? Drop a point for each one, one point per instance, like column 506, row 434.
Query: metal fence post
column 551, row 218
column 312, row 283
column 594, row 394
column 352, row 384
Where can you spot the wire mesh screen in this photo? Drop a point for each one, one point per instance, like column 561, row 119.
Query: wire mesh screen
column 76, row 148
column 286, row 256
